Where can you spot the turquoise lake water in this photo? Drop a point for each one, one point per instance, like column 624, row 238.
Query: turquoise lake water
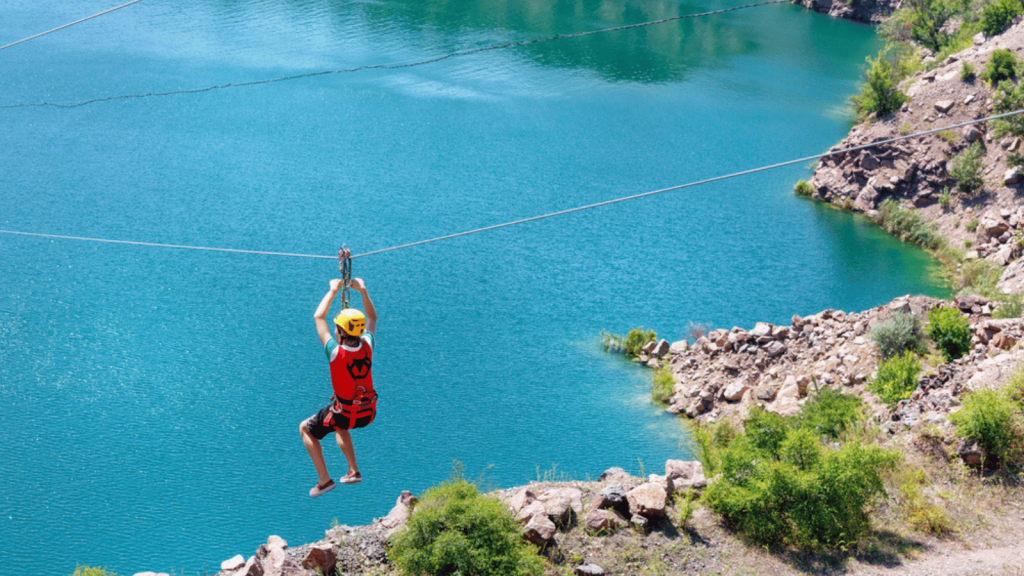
column 150, row 398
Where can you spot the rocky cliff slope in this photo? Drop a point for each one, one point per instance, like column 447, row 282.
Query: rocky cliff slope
column 872, row 11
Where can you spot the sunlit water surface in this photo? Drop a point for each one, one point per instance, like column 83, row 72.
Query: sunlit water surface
column 150, row 398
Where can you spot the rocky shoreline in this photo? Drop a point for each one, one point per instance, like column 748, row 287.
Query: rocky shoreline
column 869, row 11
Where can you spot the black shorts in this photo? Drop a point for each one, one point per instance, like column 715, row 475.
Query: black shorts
column 327, row 420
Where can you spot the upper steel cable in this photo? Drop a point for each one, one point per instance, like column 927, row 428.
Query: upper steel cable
column 71, row 24
column 543, row 216
column 394, row 65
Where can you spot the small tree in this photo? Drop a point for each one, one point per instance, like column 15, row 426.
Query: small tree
column 998, row 14
column 896, row 378
column 879, row 95
column 950, row 331
column 965, row 168
column 1001, row 66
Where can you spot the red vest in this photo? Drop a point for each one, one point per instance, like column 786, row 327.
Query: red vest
column 350, row 372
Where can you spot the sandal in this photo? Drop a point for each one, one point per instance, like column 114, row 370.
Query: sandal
column 318, row 489
column 351, row 478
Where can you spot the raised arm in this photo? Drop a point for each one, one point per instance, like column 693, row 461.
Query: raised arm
column 371, row 314
column 320, row 316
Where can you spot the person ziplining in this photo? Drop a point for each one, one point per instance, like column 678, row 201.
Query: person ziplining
column 350, row 356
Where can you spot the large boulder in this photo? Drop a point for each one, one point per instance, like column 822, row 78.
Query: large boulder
column 680, row 347
column 734, row 392
column 614, row 474
column 323, row 557
column 232, row 564
column 539, row 529
column 603, row 521
column 521, row 500
column 647, row 500
column 991, row 225
column 685, row 474
column 253, row 567
column 775, row 348
column 661, row 348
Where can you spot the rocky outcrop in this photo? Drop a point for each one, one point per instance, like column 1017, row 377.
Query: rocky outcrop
column 871, row 11
column 916, row 172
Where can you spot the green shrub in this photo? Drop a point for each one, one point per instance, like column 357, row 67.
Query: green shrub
column 457, row 530
column 966, row 168
column 803, row 188
column 967, row 72
column 907, row 225
column 1011, row 307
column 988, row 416
column 879, row 95
column 980, row 276
column 944, row 198
column 972, row 225
column 830, row 413
column 822, row 505
column 950, row 331
column 662, row 385
column 896, row 378
column 1001, row 66
column 998, row 14
column 900, row 332
column 765, row 430
column 632, row 344
column 1008, row 97
column 89, row 571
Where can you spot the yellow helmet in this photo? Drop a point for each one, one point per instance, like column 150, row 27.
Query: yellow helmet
column 351, row 321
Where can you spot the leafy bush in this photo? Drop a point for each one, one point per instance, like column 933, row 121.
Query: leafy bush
column 972, row 225
column 899, row 333
column 966, row 168
column 632, row 344
column 998, row 14
column 1001, row 66
column 812, row 498
column 830, row 413
column 765, row 430
column 967, row 72
column 662, row 384
column 950, row 331
column 988, row 416
column 896, row 378
column 907, row 225
column 457, row 530
column 1008, row 97
column 803, row 188
column 879, row 95
column 976, row 275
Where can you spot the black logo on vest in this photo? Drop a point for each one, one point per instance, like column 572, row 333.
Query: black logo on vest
column 359, row 368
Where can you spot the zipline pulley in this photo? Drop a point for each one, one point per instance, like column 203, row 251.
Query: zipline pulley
column 345, row 266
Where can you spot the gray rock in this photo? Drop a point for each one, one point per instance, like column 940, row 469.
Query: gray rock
column 971, row 133
column 253, row 567
column 661, row 348
column 521, row 500
column 612, row 472
column 1012, row 176
column 680, row 347
column 278, row 563
column 611, row 497
column 647, row 500
column 944, row 106
column 589, row 570
column 275, row 541
column 685, row 474
column 639, row 522
column 775, row 348
column 734, row 392
column 979, row 38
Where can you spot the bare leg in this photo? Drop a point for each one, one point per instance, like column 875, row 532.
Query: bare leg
column 345, row 443
column 315, row 452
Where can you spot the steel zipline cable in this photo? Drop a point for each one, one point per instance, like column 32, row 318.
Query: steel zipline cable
column 394, row 65
column 66, row 25
column 543, row 216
